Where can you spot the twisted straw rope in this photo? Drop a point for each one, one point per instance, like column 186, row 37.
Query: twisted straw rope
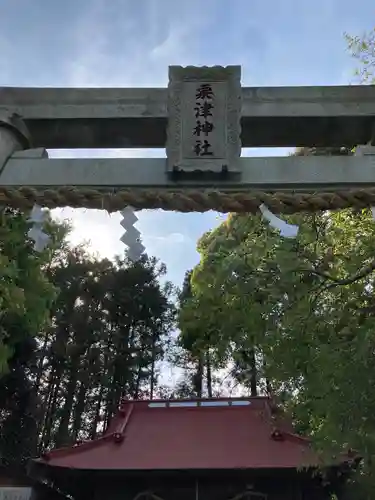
column 192, row 200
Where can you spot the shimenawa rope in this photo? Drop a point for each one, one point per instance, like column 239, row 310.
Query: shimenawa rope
column 187, row 200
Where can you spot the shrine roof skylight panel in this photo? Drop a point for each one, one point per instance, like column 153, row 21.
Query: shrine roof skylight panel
column 222, row 434
column 195, row 404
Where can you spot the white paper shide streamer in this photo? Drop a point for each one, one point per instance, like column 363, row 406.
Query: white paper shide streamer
column 131, row 237
column 286, row 230
column 38, row 218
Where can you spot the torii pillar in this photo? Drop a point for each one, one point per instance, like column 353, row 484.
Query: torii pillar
column 14, row 137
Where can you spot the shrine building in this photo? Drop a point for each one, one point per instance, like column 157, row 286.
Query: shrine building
column 209, row 449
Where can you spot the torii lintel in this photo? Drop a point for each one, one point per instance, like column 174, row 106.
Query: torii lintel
column 203, row 120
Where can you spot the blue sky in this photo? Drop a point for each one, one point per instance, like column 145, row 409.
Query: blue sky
column 131, row 43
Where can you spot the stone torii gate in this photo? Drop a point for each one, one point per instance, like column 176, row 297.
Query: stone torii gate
column 202, row 119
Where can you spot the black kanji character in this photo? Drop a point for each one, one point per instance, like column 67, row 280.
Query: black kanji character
column 197, row 148
column 204, row 128
column 202, row 149
column 204, row 91
column 203, row 109
column 205, row 149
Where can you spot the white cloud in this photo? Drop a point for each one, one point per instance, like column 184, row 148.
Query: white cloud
column 172, row 238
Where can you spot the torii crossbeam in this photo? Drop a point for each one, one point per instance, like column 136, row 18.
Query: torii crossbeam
column 202, row 119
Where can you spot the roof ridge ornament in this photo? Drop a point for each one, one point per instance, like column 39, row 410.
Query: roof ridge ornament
column 119, row 433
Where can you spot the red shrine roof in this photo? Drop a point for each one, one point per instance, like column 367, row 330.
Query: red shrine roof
column 181, row 435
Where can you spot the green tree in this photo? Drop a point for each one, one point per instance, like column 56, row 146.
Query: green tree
column 79, row 333
column 110, row 328
column 190, row 356
column 25, row 293
column 26, row 296
column 362, row 48
column 307, row 306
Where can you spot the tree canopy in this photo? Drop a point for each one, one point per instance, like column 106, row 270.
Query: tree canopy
column 78, row 333
column 295, row 317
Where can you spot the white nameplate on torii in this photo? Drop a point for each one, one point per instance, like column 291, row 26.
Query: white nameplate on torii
column 204, row 113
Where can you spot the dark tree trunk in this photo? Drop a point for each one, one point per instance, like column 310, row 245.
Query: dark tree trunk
column 94, row 425
column 78, row 410
column 208, row 374
column 198, row 378
column 62, row 437
column 51, row 411
column 253, row 374
column 153, row 354
column 42, row 356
